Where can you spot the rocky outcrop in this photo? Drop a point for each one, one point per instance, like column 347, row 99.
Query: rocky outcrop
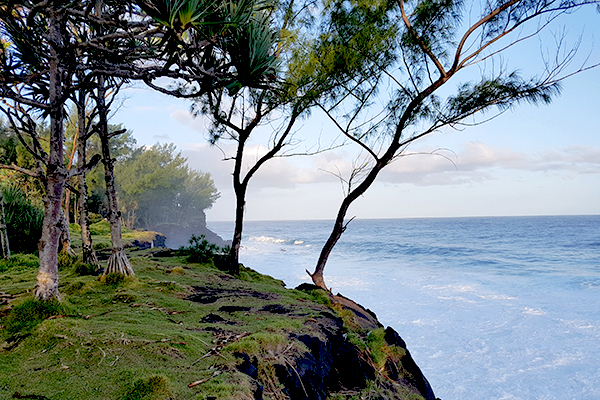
column 329, row 356
column 178, row 235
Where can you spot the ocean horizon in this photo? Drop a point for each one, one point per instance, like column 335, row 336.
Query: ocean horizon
column 490, row 307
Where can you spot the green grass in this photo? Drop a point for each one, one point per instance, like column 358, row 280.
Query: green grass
column 139, row 338
column 142, row 338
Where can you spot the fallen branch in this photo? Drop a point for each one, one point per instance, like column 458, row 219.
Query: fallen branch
column 103, row 355
column 196, row 383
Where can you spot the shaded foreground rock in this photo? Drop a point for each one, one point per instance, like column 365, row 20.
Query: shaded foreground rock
column 327, row 357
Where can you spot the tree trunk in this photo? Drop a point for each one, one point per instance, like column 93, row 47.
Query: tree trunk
column 88, row 254
column 47, row 279
column 118, row 262
column 240, row 200
column 68, row 206
column 3, row 231
column 239, row 187
column 65, row 235
column 339, row 227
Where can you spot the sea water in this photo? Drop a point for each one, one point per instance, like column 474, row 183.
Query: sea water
column 490, row 308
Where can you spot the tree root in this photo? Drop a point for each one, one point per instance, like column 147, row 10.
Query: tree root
column 118, row 264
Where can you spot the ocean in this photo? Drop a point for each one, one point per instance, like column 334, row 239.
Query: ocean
column 490, row 308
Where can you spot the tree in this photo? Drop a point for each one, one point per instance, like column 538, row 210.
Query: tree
column 4, row 244
column 435, row 43
column 157, row 187
column 308, row 71
column 45, row 51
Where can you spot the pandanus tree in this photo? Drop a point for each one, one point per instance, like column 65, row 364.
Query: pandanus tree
column 46, row 58
column 39, row 74
column 443, row 65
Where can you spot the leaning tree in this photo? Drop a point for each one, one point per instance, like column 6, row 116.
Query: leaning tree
column 444, row 63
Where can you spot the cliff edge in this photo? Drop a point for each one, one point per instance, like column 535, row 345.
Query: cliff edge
column 189, row 331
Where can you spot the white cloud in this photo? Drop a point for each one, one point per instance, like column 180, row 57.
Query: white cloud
column 184, row 117
column 478, row 162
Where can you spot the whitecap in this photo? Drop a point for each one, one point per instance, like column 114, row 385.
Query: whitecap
column 298, row 241
column 266, row 239
column 533, row 311
column 497, row 297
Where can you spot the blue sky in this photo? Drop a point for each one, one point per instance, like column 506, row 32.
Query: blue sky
column 529, row 161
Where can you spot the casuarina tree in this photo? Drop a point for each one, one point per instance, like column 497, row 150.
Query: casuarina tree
column 443, row 63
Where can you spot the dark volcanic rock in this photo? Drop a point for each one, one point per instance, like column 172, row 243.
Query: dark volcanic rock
column 212, row 318
column 211, row 294
column 276, row 309
column 230, row 309
column 418, row 379
column 178, row 235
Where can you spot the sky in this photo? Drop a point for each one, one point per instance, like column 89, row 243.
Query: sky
column 531, row 160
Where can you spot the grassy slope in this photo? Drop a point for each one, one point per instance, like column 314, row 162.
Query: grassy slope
column 143, row 339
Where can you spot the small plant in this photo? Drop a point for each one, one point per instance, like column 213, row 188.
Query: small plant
column 200, row 250
column 72, row 262
column 101, row 246
column 101, row 227
column 66, row 260
column 27, row 315
column 95, row 218
column 377, row 347
column 84, row 269
column 125, row 298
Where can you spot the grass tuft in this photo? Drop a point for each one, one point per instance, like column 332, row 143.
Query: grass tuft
column 29, row 314
column 113, row 279
column 178, row 271
column 153, row 387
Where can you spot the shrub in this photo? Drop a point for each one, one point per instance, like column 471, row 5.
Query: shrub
column 178, row 271
column 72, row 262
column 200, row 250
column 95, row 218
column 100, row 228
column 84, row 269
column 101, row 246
column 23, row 220
column 66, row 260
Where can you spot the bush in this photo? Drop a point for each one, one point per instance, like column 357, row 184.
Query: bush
column 71, row 261
column 101, row 246
column 113, row 279
column 200, row 250
column 100, row 228
column 85, row 269
column 23, row 220
column 95, row 218
column 66, row 260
